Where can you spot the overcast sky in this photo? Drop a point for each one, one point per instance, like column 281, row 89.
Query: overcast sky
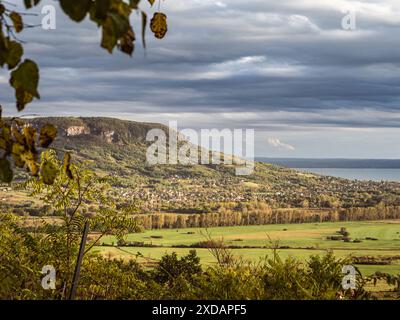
column 285, row 68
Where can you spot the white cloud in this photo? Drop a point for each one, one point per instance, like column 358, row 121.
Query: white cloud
column 250, row 66
column 275, row 142
column 220, row 4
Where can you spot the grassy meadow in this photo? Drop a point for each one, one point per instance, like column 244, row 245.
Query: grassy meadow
column 298, row 240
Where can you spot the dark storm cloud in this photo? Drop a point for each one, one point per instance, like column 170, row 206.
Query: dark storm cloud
column 286, row 62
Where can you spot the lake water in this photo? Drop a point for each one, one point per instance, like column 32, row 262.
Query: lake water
column 360, row 169
column 359, row 174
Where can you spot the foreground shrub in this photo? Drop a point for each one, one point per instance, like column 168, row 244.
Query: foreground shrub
column 22, row 257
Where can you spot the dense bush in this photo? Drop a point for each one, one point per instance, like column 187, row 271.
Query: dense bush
column 22, row 257
column 170, row 267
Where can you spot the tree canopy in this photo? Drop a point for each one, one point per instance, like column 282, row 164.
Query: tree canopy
column 21, row 143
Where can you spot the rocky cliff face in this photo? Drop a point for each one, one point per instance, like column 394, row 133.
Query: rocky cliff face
column 109, row 136
column 109, row 130
column 76, row 131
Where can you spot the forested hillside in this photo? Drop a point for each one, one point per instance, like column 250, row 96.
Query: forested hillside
column 118, row 148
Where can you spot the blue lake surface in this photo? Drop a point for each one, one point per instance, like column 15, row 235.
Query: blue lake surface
column 359, row 174
column 360, row 169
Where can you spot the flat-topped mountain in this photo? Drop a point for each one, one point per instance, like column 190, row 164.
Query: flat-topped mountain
column 107, row 129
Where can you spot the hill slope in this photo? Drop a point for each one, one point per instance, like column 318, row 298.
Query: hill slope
column 118, row 147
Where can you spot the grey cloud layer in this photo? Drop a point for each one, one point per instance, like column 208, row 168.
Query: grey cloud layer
column 288, row 63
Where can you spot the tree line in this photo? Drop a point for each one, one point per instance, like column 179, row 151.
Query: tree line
column 261, row 214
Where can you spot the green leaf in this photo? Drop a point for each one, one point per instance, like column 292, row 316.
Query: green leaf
column 30, row 160
column 127, row 42
column 3, row 144
column 122, row 8
column 17, row 151
column 115, row 27
column 47, row 135
column 6, row 174
column 18, row 136
column 67, row 165
column 14, row 54
column 17, row 21
column 99, row 11
column 3, row 47
column 49, row 172
column 30, row 3
column 25, row 80
column 76, row 9
column 109, row 39
column 30, row 136
column 5, row 136
column 10, row 52
column 134, row 4
column 23, row 98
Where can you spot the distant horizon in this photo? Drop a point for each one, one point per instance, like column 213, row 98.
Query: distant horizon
column 330, row 158
column 333, row 163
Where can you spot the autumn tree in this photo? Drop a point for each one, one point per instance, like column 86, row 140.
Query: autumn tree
column 18, row 143
column 62, row 184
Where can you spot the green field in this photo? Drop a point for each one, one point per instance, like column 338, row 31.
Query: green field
column 303, row 240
